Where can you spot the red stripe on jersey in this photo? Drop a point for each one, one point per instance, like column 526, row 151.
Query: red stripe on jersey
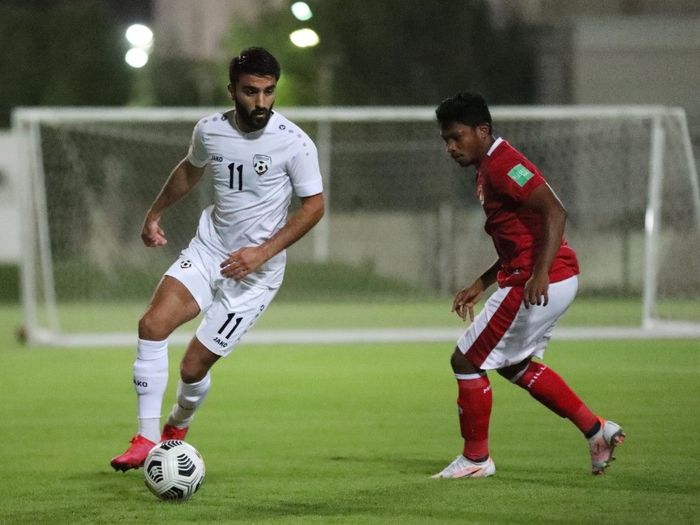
column 496, row 327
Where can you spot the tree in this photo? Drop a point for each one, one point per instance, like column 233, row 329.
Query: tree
column 20, row 67
column 61, row 53
column 419, row 52
column 397, row 52
column 299, row 82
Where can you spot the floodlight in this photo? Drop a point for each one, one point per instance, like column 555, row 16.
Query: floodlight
column 136, row 57
column 301, row 11
column 304, row 37
column 139, row 35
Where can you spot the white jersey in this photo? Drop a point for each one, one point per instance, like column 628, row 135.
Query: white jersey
column 254, row 175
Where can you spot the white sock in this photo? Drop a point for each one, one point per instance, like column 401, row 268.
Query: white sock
column 149, row 427
column 150, row 380
column 189, row 398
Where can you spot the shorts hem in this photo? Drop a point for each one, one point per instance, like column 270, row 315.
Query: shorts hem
column 221, row 352
column 199, row 300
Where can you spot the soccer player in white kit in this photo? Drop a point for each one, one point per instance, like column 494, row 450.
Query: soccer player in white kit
column 235, row 263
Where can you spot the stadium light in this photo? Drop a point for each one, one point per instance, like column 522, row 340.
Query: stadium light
column 301, row 11
column 139, row 36
column 136, row 57
column 304, row 37
column 141, row 39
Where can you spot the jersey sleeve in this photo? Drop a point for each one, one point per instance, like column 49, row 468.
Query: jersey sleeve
column 197, row 154
column 516, row 179
column 304, row 170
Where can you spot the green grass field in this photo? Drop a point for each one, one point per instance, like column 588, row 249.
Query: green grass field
column 350, row 434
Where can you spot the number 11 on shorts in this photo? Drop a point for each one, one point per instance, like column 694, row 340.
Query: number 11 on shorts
column 230, row 317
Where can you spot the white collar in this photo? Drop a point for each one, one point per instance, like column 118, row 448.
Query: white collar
column 495, row 144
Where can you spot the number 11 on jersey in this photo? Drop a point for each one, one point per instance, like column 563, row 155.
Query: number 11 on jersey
column 231, row 169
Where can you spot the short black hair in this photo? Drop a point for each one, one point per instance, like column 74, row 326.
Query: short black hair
column 254, row 61
column 466, row 108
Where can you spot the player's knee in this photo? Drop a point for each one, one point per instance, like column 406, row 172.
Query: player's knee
column 192, row 371
column 462, row 365
column 196, row 362
column 152, row 328
column 513, row 372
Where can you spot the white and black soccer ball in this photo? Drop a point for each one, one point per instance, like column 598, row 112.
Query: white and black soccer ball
column 174, row 470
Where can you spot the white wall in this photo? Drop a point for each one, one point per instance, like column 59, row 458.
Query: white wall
column 637, row 60
column 199, row 29
column 9, row 195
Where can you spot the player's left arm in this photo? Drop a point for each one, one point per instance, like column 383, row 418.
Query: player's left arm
column 544, row 202
column 246, row 260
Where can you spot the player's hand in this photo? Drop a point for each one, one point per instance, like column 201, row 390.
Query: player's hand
column 243, row 262
column 152, row 234
column 464, row 301
column 536, row 289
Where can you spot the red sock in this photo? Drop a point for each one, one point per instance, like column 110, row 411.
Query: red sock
column 474, row 403
column 545, row 385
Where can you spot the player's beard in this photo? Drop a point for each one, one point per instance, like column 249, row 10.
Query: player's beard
column 254, row 120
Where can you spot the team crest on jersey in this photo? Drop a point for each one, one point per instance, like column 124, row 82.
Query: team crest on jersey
column 261, row 163
column 186, row 263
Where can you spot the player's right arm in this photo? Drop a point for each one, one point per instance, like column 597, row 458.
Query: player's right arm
column 180, row 182
column 466, row 299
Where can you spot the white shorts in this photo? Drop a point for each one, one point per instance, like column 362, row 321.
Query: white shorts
column 230, row 307
column 505, row 333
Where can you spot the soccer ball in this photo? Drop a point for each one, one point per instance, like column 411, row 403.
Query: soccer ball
column 174, row 470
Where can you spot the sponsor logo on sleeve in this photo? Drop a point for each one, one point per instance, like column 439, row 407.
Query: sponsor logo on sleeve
column 520, row 174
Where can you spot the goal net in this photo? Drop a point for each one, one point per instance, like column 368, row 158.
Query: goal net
column 402, row 221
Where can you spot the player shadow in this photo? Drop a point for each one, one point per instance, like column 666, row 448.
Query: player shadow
column 339, row 506
column 404, row 465
column 110, row 485
column 617, row 478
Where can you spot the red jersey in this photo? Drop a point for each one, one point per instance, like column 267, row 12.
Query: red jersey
column 504, row 180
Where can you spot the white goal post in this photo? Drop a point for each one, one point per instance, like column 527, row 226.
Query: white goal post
column 396, row 205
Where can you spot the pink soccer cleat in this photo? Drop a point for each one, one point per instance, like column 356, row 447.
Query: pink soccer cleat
column 135, row 455
column 173, row 432
column 602, row 445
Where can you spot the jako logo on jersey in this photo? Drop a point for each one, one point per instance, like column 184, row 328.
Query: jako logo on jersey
column 141, row 383
column 217, row 158
column 186, row 264
column 261, row 163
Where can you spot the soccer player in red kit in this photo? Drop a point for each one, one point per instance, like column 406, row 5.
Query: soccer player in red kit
column 536, row 272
